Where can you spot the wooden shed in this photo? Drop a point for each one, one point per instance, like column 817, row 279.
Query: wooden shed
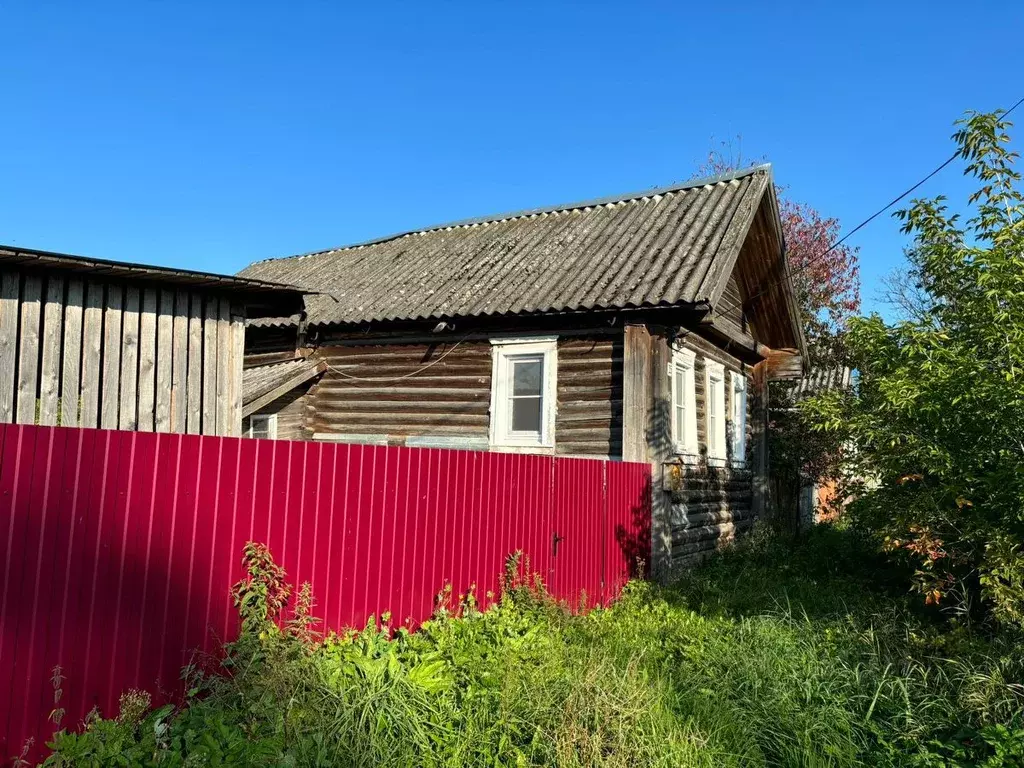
column 94, row 343
column 640, row 327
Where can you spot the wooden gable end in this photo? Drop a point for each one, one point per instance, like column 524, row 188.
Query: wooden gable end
column 757, row 299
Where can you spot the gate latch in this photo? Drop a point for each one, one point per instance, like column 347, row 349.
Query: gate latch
column 555, row 538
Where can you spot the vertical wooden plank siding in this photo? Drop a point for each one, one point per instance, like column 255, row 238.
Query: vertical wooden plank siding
column 179, row 363
column 210, row 352
column 70, row 385
column 129, row 405
column 92, row 354
column 28, row 350
column 146, row 530
column 194, row 414
column 164, row 360
column 147, row 361
column 77, row 352
column 112, row 315
column 225, row 349
column 49, row 375
column 235, row 363
column 10, row 290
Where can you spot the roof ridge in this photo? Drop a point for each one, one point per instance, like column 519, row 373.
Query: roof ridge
column 581, row 204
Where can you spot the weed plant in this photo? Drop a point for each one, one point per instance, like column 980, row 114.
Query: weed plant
column 774, row 653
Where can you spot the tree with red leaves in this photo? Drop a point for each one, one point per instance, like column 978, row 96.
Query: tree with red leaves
column 826, row 277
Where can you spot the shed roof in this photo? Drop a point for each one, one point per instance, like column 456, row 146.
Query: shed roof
column 263, row 382
column 823, row 379
column 260, row 295
column 663, row 247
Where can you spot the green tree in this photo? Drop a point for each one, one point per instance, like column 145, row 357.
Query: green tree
column 937, row 418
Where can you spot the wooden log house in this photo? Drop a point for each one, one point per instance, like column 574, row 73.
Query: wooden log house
column 93, row 343
column 640, row 327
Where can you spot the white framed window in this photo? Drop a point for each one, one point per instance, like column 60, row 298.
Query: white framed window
column 261, row 425
column 714, row 409
column 739, row 418
column 523, row 392
column 684, row 402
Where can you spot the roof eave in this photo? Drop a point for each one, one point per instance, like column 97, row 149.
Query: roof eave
column 698, row 307
column 260, row 296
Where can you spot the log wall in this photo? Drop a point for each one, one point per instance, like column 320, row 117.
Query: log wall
column 418, row 394
column 396, row 391
column 294, row 414
column 708, row 506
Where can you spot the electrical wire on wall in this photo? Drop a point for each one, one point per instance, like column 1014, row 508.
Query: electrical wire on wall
column 418, row 371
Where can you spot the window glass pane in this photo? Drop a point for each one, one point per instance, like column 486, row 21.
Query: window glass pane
column 526, row 414
column 716, row 414
column 526, row 376
column 261, row 428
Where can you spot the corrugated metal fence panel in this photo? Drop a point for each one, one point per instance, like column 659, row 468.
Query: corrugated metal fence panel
column 577, row 522
column 626, row 536
column 119, row 548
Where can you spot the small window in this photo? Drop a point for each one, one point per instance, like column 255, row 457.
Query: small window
column 261, row 425
column 714, row 405
column 684, row 402
column 523, row 392
column 739, row 418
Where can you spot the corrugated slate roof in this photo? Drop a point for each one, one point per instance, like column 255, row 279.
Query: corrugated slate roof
column 663, row 247
column 820, row 380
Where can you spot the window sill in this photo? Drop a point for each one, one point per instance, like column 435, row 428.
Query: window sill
column 541, row 450
column 686, row 457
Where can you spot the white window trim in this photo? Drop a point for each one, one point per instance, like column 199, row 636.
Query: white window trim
column 270, row 418
column 501, row 435
column 714, row 377
column 685, row 444
column 738, row 386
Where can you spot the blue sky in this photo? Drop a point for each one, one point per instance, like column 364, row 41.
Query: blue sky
column 208, row 135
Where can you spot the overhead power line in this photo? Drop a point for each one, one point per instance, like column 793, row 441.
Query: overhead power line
column 868, row 220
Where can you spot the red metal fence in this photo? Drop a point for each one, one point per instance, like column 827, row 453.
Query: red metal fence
column 119, row 548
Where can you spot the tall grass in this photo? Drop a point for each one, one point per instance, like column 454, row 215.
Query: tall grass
column 776, row 654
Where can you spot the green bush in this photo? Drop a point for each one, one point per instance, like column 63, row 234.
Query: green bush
column 937, row 418
column 774, row 654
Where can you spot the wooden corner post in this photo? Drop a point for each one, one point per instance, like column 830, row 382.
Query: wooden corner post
column 759, row 440
column 644, row 429
column 636, row 389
